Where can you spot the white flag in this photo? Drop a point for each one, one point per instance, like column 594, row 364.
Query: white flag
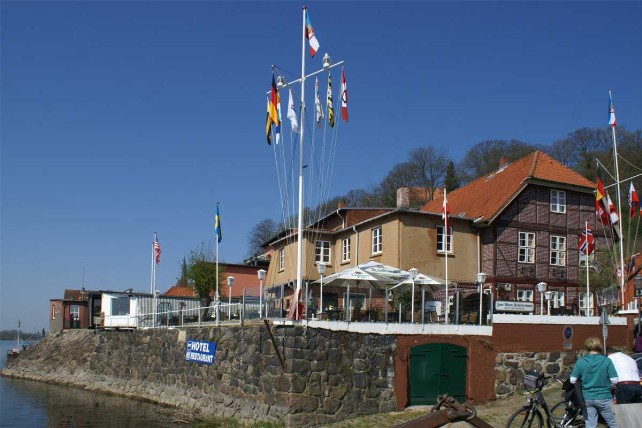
column 292, row 114
column 317, row 103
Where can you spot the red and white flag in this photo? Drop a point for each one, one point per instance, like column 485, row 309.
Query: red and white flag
column 344, row 97
column 445, row 211
column 309, row 34
column 157, row 250
column 634, row 200
column 587, row 242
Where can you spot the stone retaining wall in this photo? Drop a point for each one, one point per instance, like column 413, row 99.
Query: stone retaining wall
column 510, row 368
column 328, row 376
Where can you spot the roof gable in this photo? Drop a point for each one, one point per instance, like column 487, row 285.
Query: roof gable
column 486, row 196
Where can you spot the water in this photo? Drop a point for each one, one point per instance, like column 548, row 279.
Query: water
column 34, row 404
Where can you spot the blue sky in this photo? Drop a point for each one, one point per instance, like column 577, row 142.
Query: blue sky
column 121, row 119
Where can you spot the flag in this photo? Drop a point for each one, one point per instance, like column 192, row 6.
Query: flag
column 294, row 122
column 217, row 225
column 329, row 105
column 587, row 242
column 277, row 128
column 268, row 124
column 157, row 250
column 634, row 200
column 444, row 212
column 309, row 34
column 614, row 217
column 611, row 112
column 274, row 101
column 344, row 97
column 317, row 103
column 601, row 209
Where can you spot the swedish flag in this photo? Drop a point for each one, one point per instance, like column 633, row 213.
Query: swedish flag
column 217, row 225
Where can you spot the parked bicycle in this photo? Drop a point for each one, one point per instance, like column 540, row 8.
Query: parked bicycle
column 562, row 415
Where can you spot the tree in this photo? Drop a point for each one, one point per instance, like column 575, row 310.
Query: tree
column 201, row 274
column 451, row 181
column 429, row 165
column 182, row 279
column 483, row 158
column 259, row 235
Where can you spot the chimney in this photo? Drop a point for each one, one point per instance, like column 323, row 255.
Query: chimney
column 403, row 197
column 503, row 160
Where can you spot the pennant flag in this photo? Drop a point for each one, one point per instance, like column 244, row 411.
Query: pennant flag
column 587, row 242
column 268, row 125
column 601, row 209
column 217, row 225
column 309, row 34
column 611, row 112
column 294, row 122
column 445, row 211
column 634, row 200
column 277, row 128
column 274, row 101
column 317, row 103
column 330, row 105
column 157, row 251
column 344, row 97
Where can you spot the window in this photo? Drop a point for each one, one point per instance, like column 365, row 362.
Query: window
column 53, row 312
column 345, row 250
column 377, row 246
column 322, row 252
column 583, row 306
column 558, row 250
column 526, row 247
column 558, row 201
column 440, row 239
column 524, row 295
column 120, row 306
column 357, row 300
column 557, row 299
column 281, row 259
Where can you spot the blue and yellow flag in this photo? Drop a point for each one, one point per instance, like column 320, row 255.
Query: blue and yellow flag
column 217, row 225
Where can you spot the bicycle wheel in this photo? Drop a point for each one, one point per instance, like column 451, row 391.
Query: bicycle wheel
column 564, row 414
column 526, row 418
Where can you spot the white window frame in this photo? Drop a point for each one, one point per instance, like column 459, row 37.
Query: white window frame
column 582, row 303
column 525, row 295
column 53, row 312
column 354, row 296
column 377, row 240
column 526, row 247
column 440, row 240
column 322, row 251
column 281, row 259
column 558, row 201
column 345, row 250
column 557, row 256
column 557, row 299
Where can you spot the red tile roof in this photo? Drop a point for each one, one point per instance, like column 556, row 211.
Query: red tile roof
column 485, row 197
column 180, row 291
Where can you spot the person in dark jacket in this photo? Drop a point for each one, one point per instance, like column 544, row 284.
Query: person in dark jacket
column 597, row 374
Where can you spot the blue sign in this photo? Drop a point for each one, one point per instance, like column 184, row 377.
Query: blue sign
column 568, row 332
column 200, row 352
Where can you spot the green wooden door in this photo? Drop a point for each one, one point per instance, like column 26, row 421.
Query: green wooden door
column 436, row 369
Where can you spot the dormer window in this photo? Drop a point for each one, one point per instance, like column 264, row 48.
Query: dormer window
column 558, row 201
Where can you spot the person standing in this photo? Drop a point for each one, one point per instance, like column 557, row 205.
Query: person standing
column 628, row 389
column 597, row 374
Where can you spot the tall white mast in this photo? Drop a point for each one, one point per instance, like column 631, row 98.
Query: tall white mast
column 619, row 207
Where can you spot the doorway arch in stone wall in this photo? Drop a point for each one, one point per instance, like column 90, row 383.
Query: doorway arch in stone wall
column 436, row 369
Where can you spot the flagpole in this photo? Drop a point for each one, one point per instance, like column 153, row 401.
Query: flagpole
column 619, row 206
column 447, row 312
column 217, row 219
column 588, row 248
column 153, row 283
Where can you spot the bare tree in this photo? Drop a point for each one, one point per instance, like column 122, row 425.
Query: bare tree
column 260, row 234
column 429, row 165
column 484, row 157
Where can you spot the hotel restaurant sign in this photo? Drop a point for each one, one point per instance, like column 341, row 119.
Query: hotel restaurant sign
column 511, row 306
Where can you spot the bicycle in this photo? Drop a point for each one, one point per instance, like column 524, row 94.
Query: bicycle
column 562, row 415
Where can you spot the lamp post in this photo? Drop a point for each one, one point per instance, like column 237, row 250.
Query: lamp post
column 481, row 279
column 548, row 295
column 638, row 294
column 413, row 275
column 321, row 270
column 230, row 282
column 261, row 274
column 541, row 287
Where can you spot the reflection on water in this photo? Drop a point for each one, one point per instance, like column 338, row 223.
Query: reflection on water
column 35, row 404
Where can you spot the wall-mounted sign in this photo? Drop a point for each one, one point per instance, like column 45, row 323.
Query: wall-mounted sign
column 512, row 306
column 568, row 332
column 201, row 352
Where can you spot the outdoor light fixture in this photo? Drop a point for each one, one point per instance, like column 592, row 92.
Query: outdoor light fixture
column 261, row 274
column 413, row 275
column 548, row 296
column 280, row 82
column 481, row 279
column 321, row 270
column 541, row 287
column 230, row 282
column 326, row 61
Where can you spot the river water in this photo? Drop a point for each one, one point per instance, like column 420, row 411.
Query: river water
column 34, row 404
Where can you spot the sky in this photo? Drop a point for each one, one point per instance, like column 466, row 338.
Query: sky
column 121, row 119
